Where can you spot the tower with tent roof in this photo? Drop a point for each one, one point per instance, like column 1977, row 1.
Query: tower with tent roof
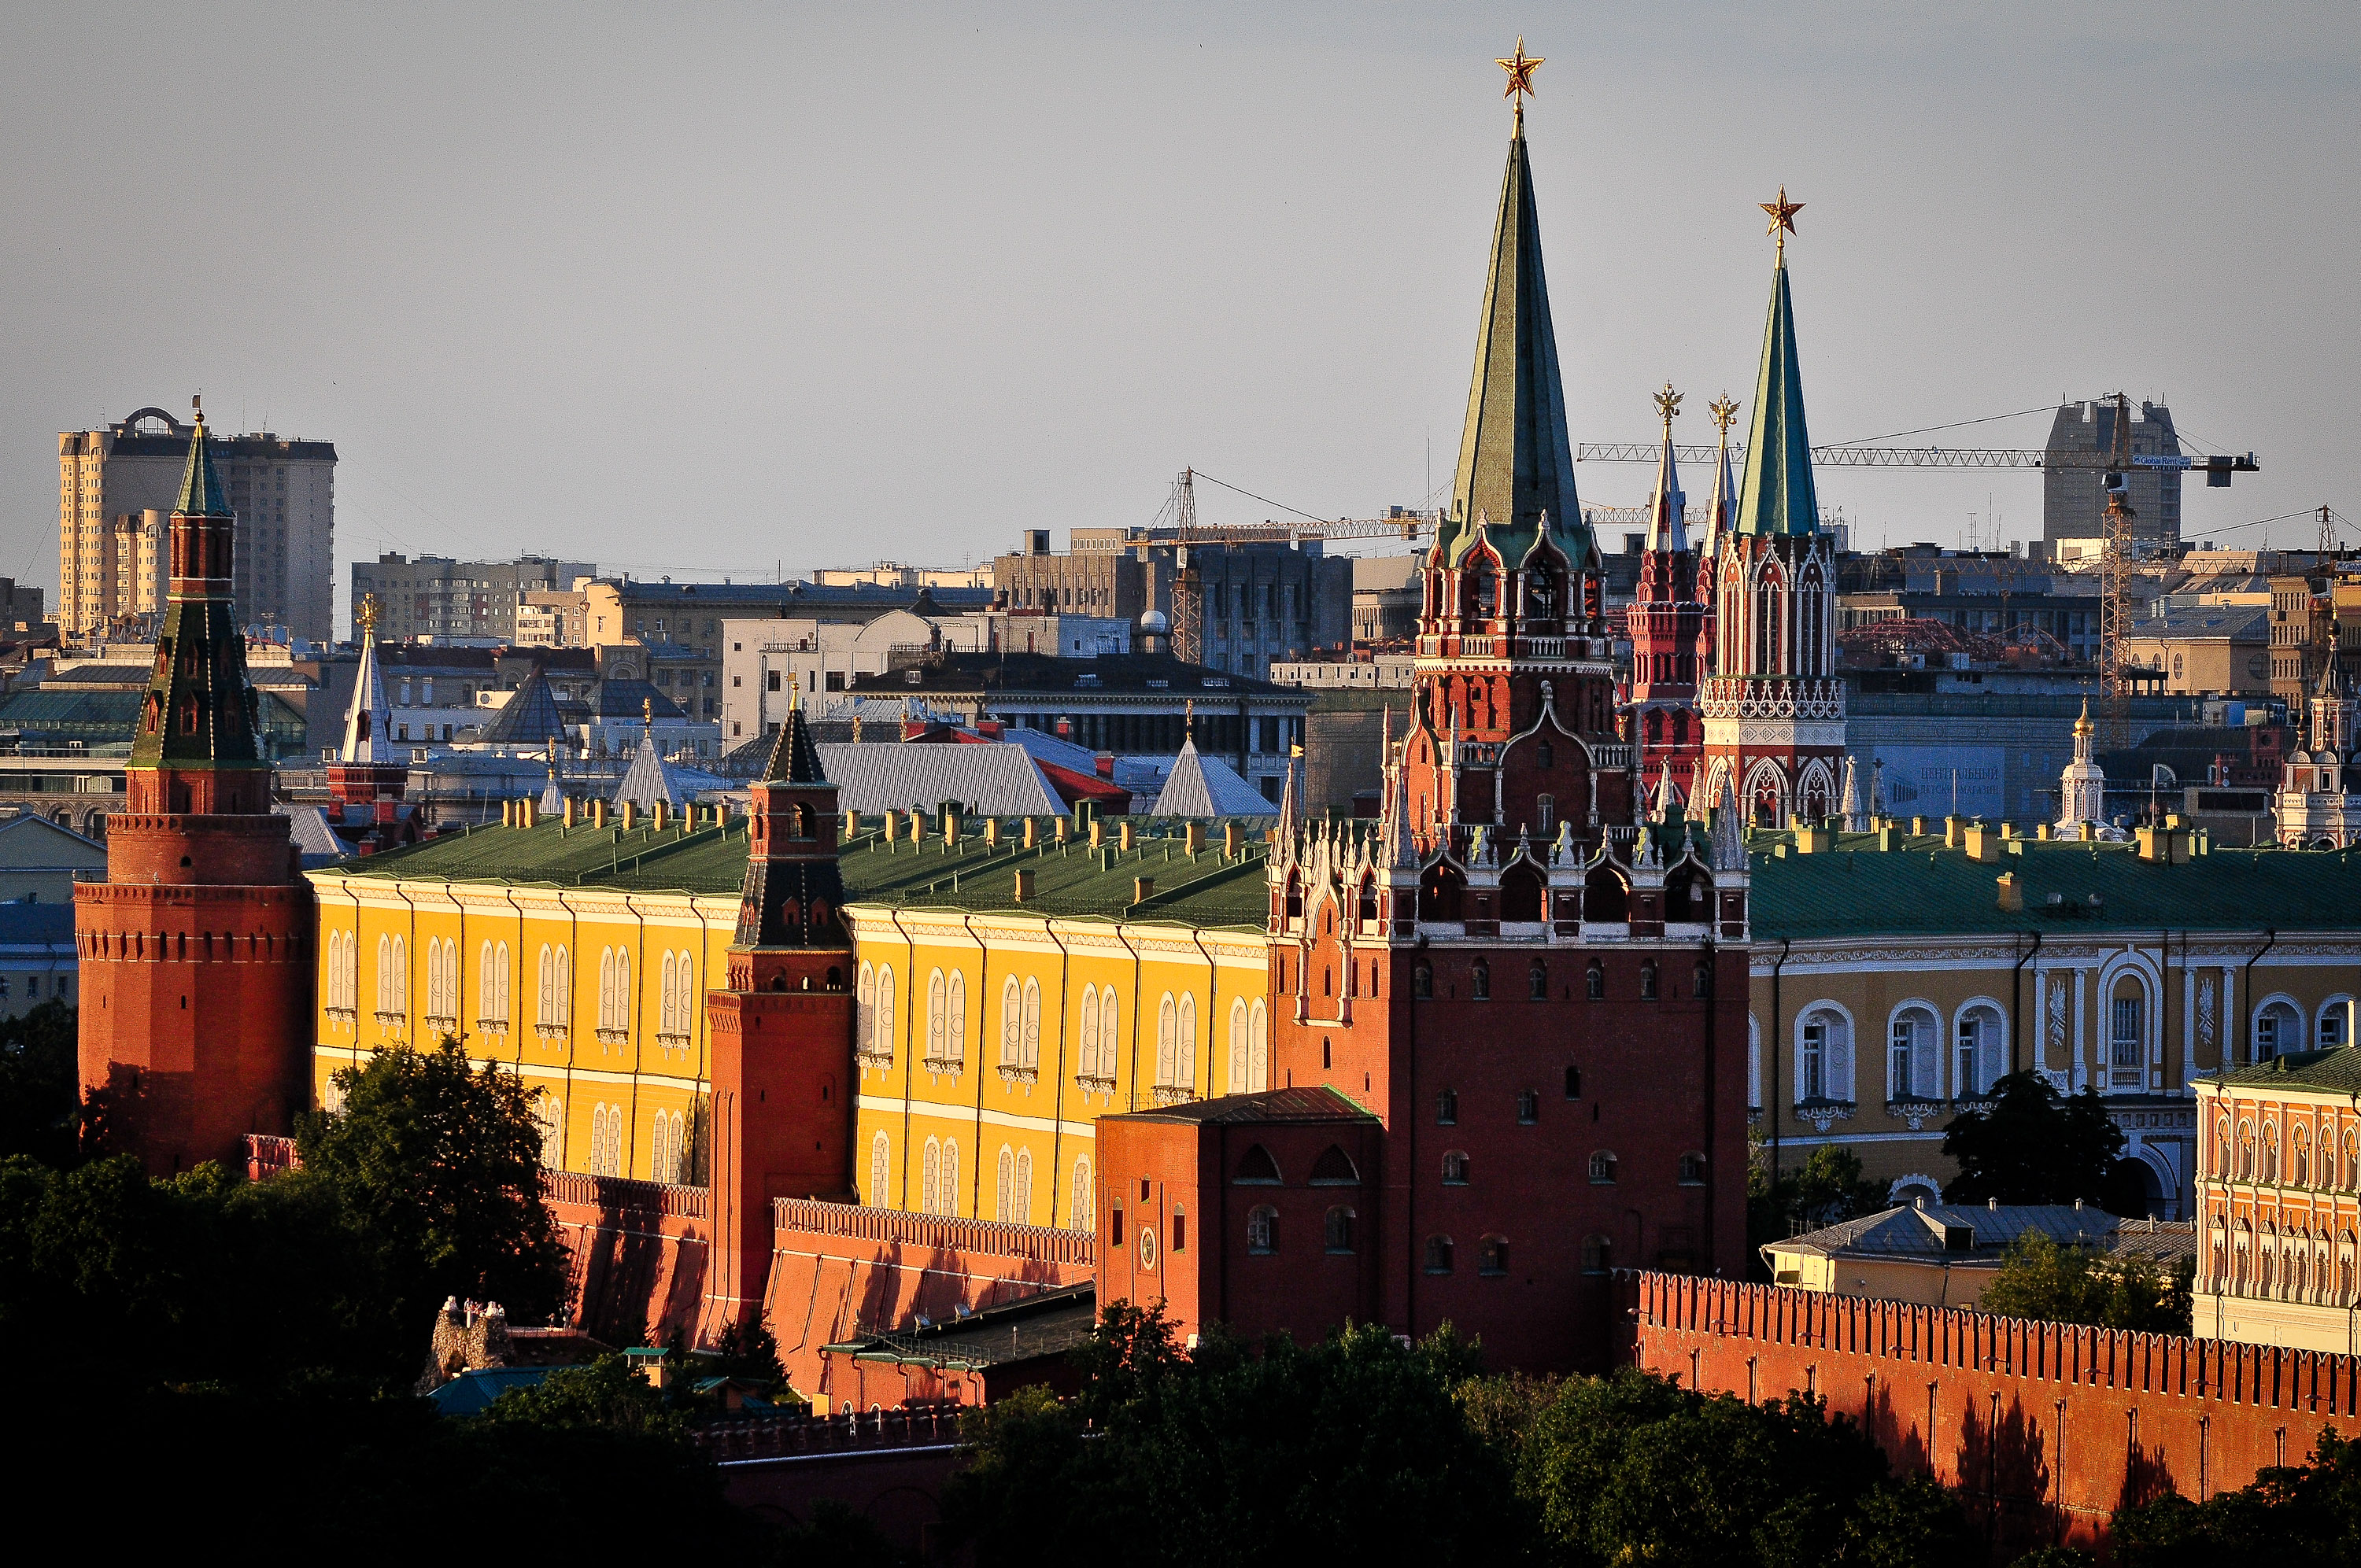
column 1530, row 973
column 1774, row 710
column 197, row 962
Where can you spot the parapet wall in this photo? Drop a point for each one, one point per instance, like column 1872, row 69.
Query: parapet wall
column 840, row 1268
column 638, row 1254
column 2045, row 1429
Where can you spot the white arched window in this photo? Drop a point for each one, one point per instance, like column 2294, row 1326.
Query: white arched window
column 950, row 1182
column 955, row 1026
column 2278, row 1029
column 550, row 1112
column 668, row 1147
column 2334, row 1030
column 1185, row 1057
column 1012, row 1024
column 488, row 1014
column 881, row 1154
column 882, row 1044
column 1823, row 1055
column 2127, row 1030
column 1024, row 1211
column 1753, row 1063
column 937, row 1020
column 1110, row 1035
column 1005, row 1208
column 1979, row 1049
column 864, row 1008
column 1087, row 1063
column 1167, row 1023
column 1085, row 1214
column 545, row 1009
column 1032, row 1056
column 931, row 1178
column 668, row 996
column 1912, row 1063
column 1258, row 1048
column 1241, row 1047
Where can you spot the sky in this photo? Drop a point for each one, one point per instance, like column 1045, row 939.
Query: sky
column 721, row 289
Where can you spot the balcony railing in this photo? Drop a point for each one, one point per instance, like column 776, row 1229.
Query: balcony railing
column 623, row 1192
column 997, row 1238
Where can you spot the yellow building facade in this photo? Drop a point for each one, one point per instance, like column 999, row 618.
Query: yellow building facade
column 987, row 1041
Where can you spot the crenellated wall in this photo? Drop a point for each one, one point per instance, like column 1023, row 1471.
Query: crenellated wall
column 2045, row 1429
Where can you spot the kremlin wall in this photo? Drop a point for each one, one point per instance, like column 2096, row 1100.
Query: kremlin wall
column 920, row 1090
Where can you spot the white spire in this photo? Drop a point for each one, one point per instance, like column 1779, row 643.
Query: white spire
column 1856, row 811
column 366, row 734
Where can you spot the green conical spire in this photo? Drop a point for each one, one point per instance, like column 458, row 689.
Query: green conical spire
column 1777, row 496
column 1516, row 460
column 201, row 486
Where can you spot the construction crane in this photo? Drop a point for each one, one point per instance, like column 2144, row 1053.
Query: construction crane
column 2216, row 468
column 1189, row 535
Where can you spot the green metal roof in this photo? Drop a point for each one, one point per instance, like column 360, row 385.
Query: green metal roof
column 201, row 486
column 1071, row 880
column 1856, row 890
column 2334, row 1073
column 1516, row 457
column 1777, row 496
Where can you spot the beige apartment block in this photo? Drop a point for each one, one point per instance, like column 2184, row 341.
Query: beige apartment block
column 116, row 489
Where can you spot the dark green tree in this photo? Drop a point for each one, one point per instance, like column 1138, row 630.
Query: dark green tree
column 1633, row 1469
column 2041, row 1279
column 2303, row 1513
column 444, row 1159
column 2033, row 1144
column 1232, row 1454
column 40, row 1087
column 1826, row 1189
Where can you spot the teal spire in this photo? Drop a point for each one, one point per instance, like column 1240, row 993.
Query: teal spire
column 201, row 486
column 1777, row 495
column 1516, row 459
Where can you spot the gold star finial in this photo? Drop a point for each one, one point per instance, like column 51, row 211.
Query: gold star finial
column 1783, row 218
column 1668, row 404
column 1723, row 411
column 367, row 616
column 648, row 711
column 1520, row 68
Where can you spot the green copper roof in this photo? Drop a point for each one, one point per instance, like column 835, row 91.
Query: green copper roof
column 201, row 486
column 1776, row 495
column 1856, row 890
column 1069, row 880
column 2332, row 1072
column 1516, row 459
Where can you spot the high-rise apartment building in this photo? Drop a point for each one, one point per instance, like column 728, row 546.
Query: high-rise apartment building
column 435, row 596
column 2074, row 500
column 115, row 490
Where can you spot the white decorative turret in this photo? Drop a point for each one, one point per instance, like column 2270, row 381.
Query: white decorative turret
column 2083, row 788
column 1856, row 808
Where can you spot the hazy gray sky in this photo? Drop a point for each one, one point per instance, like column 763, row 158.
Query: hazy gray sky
column 696, row 289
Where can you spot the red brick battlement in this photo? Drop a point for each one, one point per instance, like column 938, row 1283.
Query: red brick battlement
column 2046, row 1429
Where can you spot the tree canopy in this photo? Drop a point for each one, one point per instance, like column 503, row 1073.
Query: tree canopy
column 2033, row 1144
column 2041, row 1279
column 2299, row 1513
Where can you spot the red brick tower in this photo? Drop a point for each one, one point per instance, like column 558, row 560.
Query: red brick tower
column 1775, row 712
column 1667, row 622
column 1542, row 997
column 196, row 952
column 782, row 1029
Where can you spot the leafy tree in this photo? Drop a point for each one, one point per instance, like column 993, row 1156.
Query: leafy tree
column 2033, row 1145
column 40, row 1083
column 2038, row 1278
column 608, row 1393
column 1632, row 1468
column 1227, row 1453
column 1827, row 1189
column 446, row 1160
column 2304, row 1513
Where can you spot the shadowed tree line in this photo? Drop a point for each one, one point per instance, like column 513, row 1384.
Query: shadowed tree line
column 237, row 1360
